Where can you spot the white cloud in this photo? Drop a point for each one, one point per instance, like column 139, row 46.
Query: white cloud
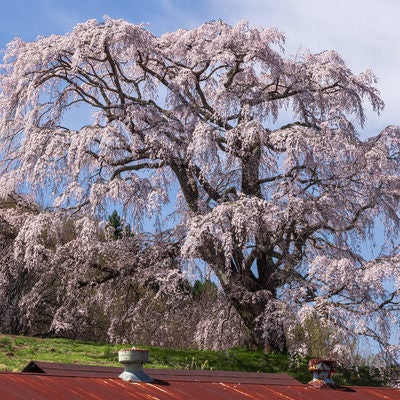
column 366, row 33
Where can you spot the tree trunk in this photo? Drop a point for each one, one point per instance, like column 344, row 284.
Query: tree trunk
column 257, row 312
column 266, row 329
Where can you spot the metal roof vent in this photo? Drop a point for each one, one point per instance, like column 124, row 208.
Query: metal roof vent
column 322, row 370
column 133, row 360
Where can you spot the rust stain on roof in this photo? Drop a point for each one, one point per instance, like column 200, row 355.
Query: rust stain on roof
column 76, row 382
column 41, row 387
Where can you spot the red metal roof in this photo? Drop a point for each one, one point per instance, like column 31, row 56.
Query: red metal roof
column 170, row 385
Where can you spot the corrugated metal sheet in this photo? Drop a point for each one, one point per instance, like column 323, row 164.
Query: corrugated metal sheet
column 42, row 387
column 81, row 382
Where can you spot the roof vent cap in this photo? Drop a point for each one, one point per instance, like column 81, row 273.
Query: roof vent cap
column 133, row 360
column 322, row 370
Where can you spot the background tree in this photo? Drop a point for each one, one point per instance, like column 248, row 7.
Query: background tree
column 114, row 221
column 130, row 289
column 278, row 211
column 116, row 227
column 13, row 281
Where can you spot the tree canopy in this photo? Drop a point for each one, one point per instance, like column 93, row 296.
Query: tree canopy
column 279, row 211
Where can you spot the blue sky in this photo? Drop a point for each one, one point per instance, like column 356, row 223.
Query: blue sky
column 365, row 32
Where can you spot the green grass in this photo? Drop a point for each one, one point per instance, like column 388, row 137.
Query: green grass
column 17, row 351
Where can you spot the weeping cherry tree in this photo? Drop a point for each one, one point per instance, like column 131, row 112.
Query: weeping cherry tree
column 278, row 210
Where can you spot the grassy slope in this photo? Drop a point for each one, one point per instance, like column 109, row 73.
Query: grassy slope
column 17, row 351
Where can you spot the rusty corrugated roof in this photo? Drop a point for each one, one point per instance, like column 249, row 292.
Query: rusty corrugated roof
column 25, row 386
column 77, row 382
